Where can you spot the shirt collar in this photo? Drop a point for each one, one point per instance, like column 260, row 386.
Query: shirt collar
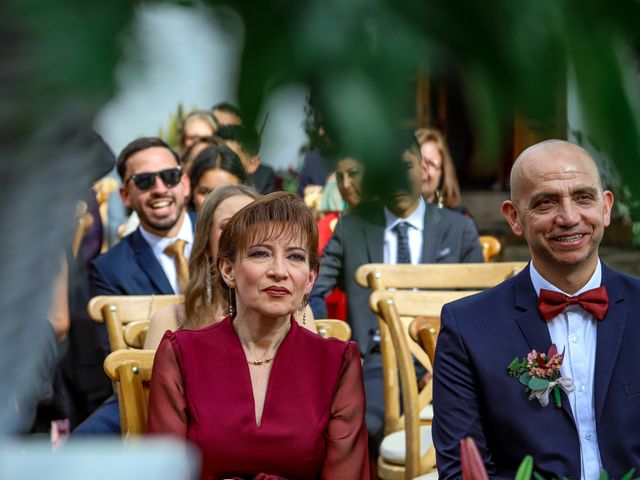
column 160, row 243
column 416, row 219
column 540, row 282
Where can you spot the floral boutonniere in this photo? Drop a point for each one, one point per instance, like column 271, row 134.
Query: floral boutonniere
column 540, row 373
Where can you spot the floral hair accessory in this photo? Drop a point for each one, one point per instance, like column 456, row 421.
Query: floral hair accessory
column 540, row 373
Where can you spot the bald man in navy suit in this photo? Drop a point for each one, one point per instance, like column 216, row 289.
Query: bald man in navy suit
column 567, row 297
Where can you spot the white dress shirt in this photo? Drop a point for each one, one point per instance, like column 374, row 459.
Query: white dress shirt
column 158, row 244
column 415, row 233
column 575, row 331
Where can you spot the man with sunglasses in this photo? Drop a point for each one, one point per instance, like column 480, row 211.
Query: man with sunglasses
column 155, row 188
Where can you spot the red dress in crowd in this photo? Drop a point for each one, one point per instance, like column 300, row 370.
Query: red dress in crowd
column 313, row 418
column 337, row 300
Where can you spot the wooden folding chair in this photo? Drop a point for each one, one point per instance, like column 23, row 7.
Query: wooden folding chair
column 135, row 333
column 424, row 331
column 408, row 453
column 84, row 221
column 131, row 370
column 328, row 327
column 439, row 284
column 118, row 310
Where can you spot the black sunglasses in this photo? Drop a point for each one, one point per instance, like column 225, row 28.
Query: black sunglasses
column 144, row 181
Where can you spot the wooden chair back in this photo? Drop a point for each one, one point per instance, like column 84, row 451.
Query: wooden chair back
column 415, row 464
column 491, row 247
column 84, row 221
column 131, row 370
column 437, row 284
column 135, row 333
column 103, row 188
column 424, row 331
column 118, row 310
column 328, row 327
column 433, row 276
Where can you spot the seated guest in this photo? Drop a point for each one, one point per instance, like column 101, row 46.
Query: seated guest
column 245, row 143
column 202, row 307
column 402, row 229
column 192, row 151
column 195, row 125
column 439, row 180
column 348, row 174
column 583, row 415
column 210, row 385
column 152, row 259
column 215, row 167
column 226, row 114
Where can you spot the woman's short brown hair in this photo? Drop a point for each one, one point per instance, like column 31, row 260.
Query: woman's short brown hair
column 277, row 215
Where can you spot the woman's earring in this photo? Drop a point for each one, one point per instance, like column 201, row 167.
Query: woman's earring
column 231, row 302
column 439, row 199
column 305, row 301
column 208, row 283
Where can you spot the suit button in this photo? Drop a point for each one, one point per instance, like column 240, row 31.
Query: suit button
column 575, row 339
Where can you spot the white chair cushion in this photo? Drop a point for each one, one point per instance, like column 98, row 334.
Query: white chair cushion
column 428, row 476
column 427, row 412
column 393, row 450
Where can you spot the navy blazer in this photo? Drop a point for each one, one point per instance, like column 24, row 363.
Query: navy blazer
column 130, row 268
column 358, row 239
column 474, row 396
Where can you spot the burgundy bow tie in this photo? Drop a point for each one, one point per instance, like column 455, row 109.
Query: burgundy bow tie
column 551, row 303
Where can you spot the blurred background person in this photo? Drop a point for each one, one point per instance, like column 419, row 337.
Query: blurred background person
column 207, row 383
column 191, row 152
column 225, row 113
column 195, row 125
column 439, row 180
column 246, row 144
column 215, row 167
column 317, row 164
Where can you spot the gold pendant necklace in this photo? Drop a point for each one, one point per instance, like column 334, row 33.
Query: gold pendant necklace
column 257, row 363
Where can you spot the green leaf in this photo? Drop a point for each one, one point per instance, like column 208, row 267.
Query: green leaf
column 538, row 383
column 628, row 475
column 525, row 469
column 603, row 475
column 515, row 363
column 537, row 476
column 524, row 379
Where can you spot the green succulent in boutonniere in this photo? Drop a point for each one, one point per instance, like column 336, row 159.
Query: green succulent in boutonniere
column 540, row 373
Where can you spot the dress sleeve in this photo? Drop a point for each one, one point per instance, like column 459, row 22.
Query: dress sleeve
column 347, row 456
column 167, row 413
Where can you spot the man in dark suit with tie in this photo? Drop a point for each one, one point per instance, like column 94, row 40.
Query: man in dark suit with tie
column 152, row 259
column 403, row 228
column 565, row 297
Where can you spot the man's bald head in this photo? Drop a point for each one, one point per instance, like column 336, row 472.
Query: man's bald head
column 536, row 156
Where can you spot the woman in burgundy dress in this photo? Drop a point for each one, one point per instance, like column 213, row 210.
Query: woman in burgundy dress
column 260, row 396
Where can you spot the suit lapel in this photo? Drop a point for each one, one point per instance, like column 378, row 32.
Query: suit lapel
column 149, row 264
column 432, row 234
column 533, row 327
column 609, row 337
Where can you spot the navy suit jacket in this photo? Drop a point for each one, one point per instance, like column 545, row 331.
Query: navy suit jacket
column 474, row 396
column 130, row 268
column 358, row 239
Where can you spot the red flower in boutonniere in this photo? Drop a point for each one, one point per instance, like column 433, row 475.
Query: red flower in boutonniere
column 540, row 373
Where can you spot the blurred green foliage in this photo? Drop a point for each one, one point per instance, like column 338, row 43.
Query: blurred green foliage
column 512, row 56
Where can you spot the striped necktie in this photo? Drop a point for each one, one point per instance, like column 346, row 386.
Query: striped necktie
column 404, row 252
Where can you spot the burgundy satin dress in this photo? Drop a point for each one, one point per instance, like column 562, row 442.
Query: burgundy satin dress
column 313, row 417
